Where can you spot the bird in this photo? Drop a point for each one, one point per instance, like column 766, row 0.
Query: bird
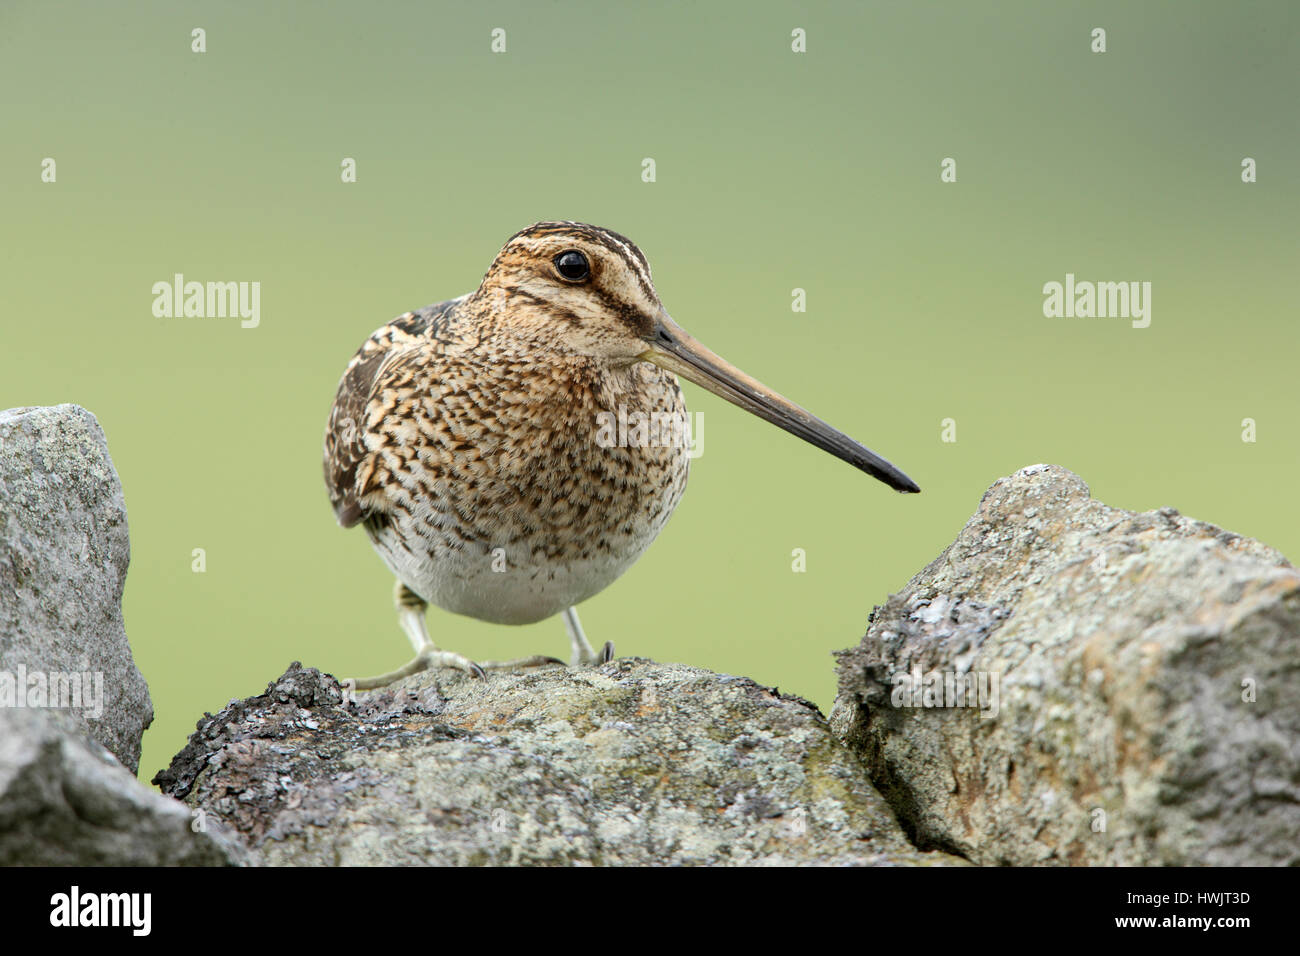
column 470, row 439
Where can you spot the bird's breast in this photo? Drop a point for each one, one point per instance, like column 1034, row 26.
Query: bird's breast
column 525, row 494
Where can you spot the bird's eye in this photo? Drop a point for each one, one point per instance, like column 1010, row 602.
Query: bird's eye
column 572, row 265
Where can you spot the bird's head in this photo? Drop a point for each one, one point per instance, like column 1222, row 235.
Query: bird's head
column 574, row 287
column 588, row 291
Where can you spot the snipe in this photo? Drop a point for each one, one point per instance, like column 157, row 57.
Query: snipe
column 464, row 437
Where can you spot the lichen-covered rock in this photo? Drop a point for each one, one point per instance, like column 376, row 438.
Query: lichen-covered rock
column 64, row 801
column 629, row 763
column 1147, row 670
column 63, row 556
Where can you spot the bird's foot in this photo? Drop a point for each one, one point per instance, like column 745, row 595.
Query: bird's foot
column 583, row 653
column 426, row 659
column 537, row 660
column 594, row 658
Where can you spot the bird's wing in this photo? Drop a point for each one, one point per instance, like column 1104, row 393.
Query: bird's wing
column 346, row 451
column 350, row 447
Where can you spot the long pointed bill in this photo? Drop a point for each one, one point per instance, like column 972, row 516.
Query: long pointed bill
column 676, row 351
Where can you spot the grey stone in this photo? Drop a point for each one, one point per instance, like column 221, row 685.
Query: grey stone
column 65, row 800
column 63, row 557
column 1127, row 647
column 629, row 763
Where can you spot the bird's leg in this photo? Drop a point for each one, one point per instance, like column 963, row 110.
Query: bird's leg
column 411, row 609
column 583, row 652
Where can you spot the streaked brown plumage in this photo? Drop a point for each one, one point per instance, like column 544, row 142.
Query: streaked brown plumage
column 464, row 436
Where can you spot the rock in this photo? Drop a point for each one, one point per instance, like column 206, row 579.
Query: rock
column 63, row 556
column 67, row 801
column 630, row 763
column 66, row 795
column 1148, row 671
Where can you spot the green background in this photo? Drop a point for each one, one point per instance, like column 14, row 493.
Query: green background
column 775, row 170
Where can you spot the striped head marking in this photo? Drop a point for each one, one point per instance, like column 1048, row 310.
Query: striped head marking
column 577, row 286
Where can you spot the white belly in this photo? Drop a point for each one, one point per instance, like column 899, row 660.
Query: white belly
column 528, row 577
column 489, row 588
